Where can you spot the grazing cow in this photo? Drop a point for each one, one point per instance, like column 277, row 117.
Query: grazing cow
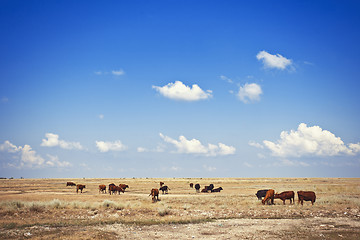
column 269, row 196
column 164, row 189
column 79, row 186
column 154, row 195
column 191, row 185
column 286, row 195
column 211, row 187
column 261, row 193
column 306, row 196
column 111, row 188
column 205, row 190
column 124, row 186
column 70, row 184
column 102, row 188
column 161, row 184
column 197, row 187
column 217, row 189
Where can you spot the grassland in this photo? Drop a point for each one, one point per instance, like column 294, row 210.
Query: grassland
column 47, row 208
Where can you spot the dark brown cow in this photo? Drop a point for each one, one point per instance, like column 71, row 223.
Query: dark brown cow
column 164, row 189
column 161, row 184
column 306, row 196
column 112, row 188
column 124, row 186
column 154, row 195
column 70, row 184
column 102, row 188
column 269, row 196
column 286, row 195
column 217, row 189
column 191, row 185
column 205, row 190
column 197, row 187
column 79, row 186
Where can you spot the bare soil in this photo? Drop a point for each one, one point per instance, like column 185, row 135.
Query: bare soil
column 48, row 209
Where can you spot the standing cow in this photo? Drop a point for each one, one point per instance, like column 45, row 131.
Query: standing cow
column 261, row 193
column 269, row 196
column 306, row 196
column 154, row 195
column 102, row 188
column 197, row 187
column 79, row 186
column 286, row 195
column 164, row 189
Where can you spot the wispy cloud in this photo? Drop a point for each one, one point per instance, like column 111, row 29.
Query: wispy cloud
column 274, row 61
column 110, row 146
column 54, row 141
column 250, row 92
column 310, row 141
column 179, row 91
column 194, row 146
column 118, row 72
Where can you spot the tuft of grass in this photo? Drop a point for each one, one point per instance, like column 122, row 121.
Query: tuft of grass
column 114, row 205
column 163, row 210
column 37, row 207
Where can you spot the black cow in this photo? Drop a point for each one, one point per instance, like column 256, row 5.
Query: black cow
column 210, row 187
column 197, row 187
column 217, row 189
column 261, row 193
column 164, row 189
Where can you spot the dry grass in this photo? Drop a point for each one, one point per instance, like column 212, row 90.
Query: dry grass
column 39, row 201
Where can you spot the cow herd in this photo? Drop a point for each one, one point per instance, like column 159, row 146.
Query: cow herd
column 269, row 195
column 265, row 195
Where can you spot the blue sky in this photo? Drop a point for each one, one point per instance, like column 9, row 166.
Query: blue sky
column 179, row 89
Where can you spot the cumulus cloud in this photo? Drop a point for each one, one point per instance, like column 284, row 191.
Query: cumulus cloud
column 110, row 146
column 179, row 91
column 310, row 141
column 53, row 141
column 273, row 61
column 194, row 146
column 250, row 92
column 27, row 157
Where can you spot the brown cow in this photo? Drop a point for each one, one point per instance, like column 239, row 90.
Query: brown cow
column 269, row 196
column 155, row 195
column 161, row 184
column 306, row 196
column 79, row 186
column 123, row 186
column 191, row 185
column 70, row 184
column 286, row 195
column 102, row 188
column 119, row 189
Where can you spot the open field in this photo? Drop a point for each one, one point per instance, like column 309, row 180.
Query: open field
column 48, row 209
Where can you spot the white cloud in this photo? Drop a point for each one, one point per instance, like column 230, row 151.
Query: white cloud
column 255, row 144
column 110, row 146
column 249, row 92
column 273, row 61
column 117, row 72
column 101, row 116
column 53, row 141
column 225, row 78
column 179, row 91
column 194, row 146
column 209, row 168
column 28, row 157
column 310, row 141
column 54, row 162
